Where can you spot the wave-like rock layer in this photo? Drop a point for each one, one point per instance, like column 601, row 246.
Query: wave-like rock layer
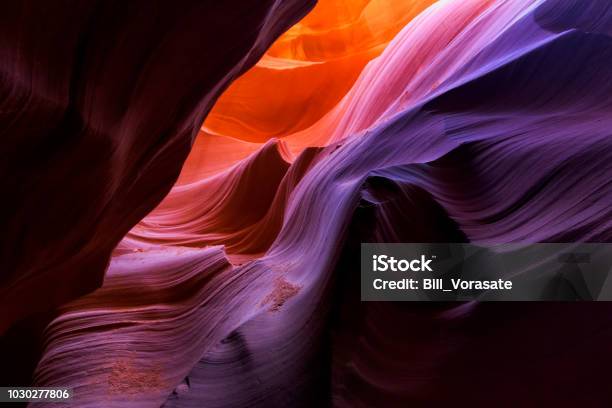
column 480, row 121
column 99, row 105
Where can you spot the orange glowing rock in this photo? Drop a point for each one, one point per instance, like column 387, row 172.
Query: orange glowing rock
column 309, row 68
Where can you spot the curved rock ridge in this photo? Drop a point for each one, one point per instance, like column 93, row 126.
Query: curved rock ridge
column 141, row 331
column 99, row 105
column 241, row 208
column 481, row 121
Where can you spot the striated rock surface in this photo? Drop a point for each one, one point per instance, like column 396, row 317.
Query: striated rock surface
column 481, row 121
column 100, row 103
